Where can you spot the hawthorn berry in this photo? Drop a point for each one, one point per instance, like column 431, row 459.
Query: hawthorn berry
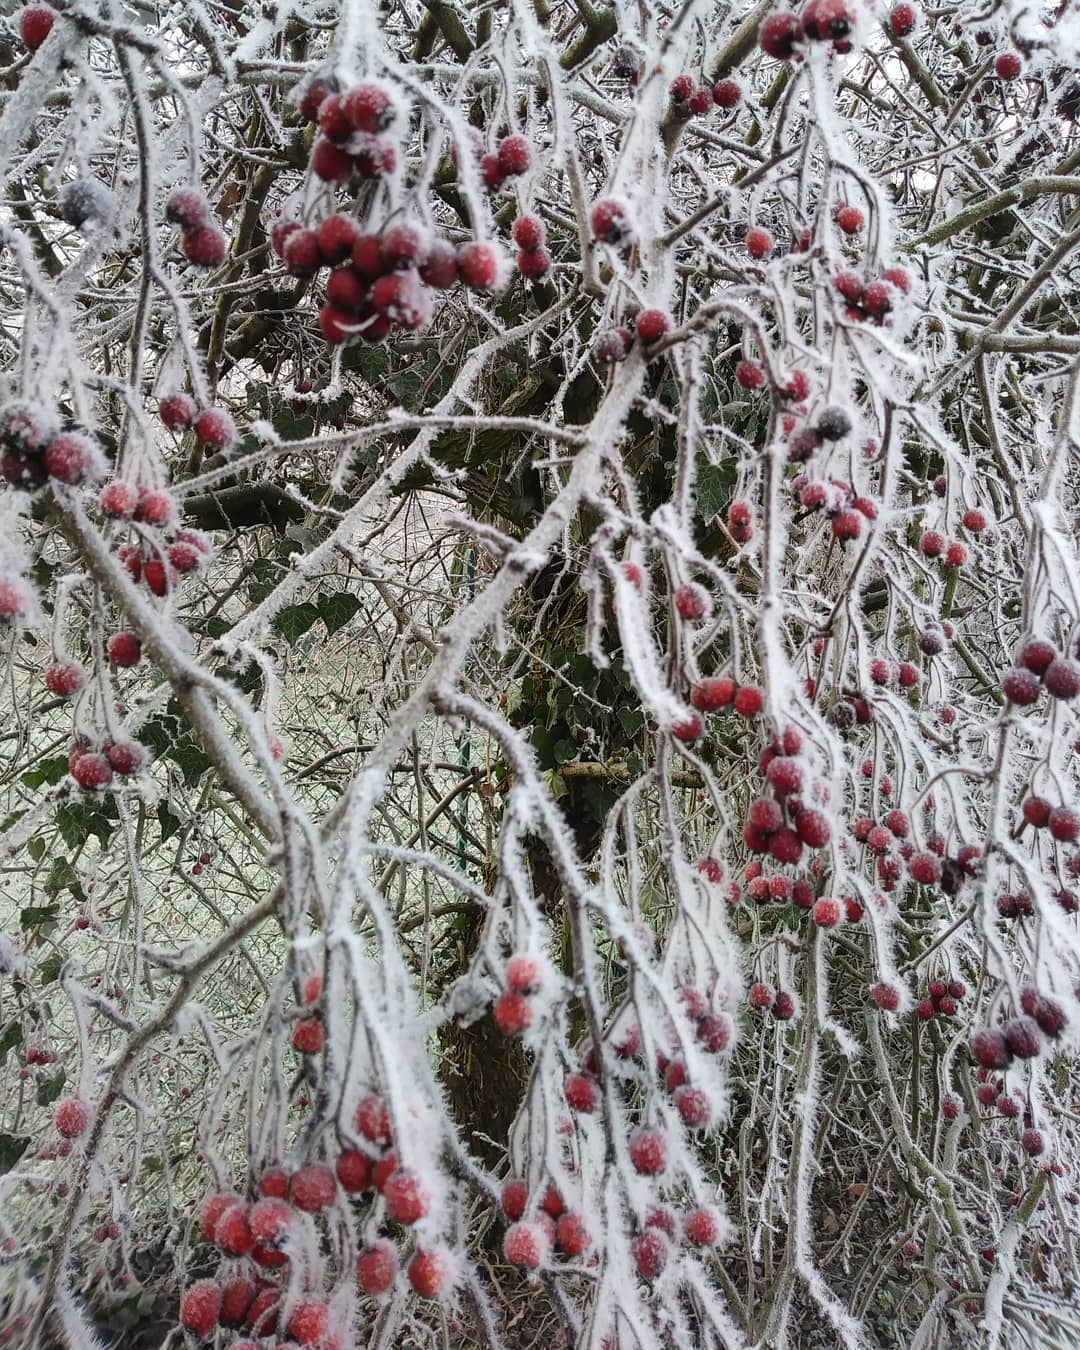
column 1021, row 687
column 1061, row 677
column 527, row 1244
column 236, row 1299
column 581, row 1092
column 990, row 1048
column 704, row 1227
column 759, row 242
column 307, row 1036
column 850, row 219
column 785, row 1007
column 478, row 266
column 204, row 246
column 693, row 602
column 302, row 255
column 1032, row 1142
column 726, row 94
column 761, row 996
column 749, row 700
column 886, row 996
column 270, row 1221
column 373, row 1119
column 71, row 1117
column 779, row 35
column 330, row 163
column 694, row 1106
column 310, row 1322
column 650, row 1251
column 215, row 428
column 1007, row 66
column 651, row 325
column 1064, row 824
column 376, row 1267
column 515, row 155
column 188, row 208
column 533, row 263
column 406, row 1197
column 833, row 424
column 200, row 1308
column 827, row 912
column 232, row 1233
column 712, row 694
column 649, row 1151
column 902, row 19
column 847, row 525
column 313, row 1188
column 92, row 771
column 688, row 728
column 749, row 374
column 431, row 1272
column 65, row 678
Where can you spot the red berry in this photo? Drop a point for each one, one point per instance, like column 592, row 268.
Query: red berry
column 932, row 544
column 1021, row 687
column 886, row 996
column 369, row 107
column 1036, row 655
column 581, row 1093
column 312, row 98
column 1061, row 677
column 759, row 242
column 688, row 728
column 513, row 1013
column 572, row 1234
column 515, row 155
column 712, row 694
column 975, row 521
column 694, row 1106
column 91, row 771
column 649, row 1151
column 214, row 427
column 614, row 345
column 704, row 1227
column 1064, row 824
column 478, row 266
column 925, row 868
column 682, row 87
column 35, row 24
column 700, row 101
column 1023, row 1037
column 813, row 828
column 514, row 1198
column 125, row 649
column 309, row 1322
column 761, row 996
column 270, row 1221
column 827, row 912
column 119, row 500
column 825, row 20
column 779, row 34
column 72, row 1117
column 990, row 1049
column 406, row 1197
column 491, row 174
column 302, row 254
column 376, row 1267
column 847, row 524
column 784, row 1007
column 956, row 555
column 383, row 1170
column 748, row 701
column 205, row 246
column 200, row 1308
column 749, row 374
column 692, row 602
column 440, row 269
column 726, row 94
column 610, row 221
column 65, row 678
column 902, row 19
column 236, row 1300
column 402, row 246
column 335, row 237
column 313, row 1188
column 431, row 1272
column 661, row 1218
column 652, row 325
column 850, row 219
column 307, row 1036
column 233, row 1230
column 330, row 163
column 1031, row 1141
column 188, row 208
column 274, row 1182
column 527, row 1245
column 533, row 263
column 1036, row 811
column 529, row 232
column 373, row 1119
column 1007, row 66
column 650, row 1251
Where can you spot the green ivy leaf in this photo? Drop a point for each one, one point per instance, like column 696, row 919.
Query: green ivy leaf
column 336, row 610
column 36, row 848
column 77, row 820
column 48, row 771
column 714, row 487
column 12, row 1037
column 167, row 821
column 12, row 1147
column 62, row 876
column 51, row 1088
column 50, row 968
column 33, row 916
column 292, row 623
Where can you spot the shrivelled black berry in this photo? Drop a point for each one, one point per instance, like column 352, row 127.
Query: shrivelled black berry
column 833, row 424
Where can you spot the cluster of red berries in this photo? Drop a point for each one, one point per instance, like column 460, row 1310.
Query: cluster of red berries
column 615, row 344
column 890, row 674
column 161, row 563
column 355, row 125
column 651, row 1248
column 35, row 24
column 511, row 158
column 716, row 692
column 781, row 34
column 762, row 889
column 307, row 1033
column 1015, row 905
column 93, row 765
column 201, row 241
column 533, row 259
column 214, row 428
column 873, row 300
column 529, row 1241
column 378, row 280
column 1063, row 822
column 689, row 99
column 33, row 449
column 932, row 544
column 1040, row 665
column 941, row 999
column 764, row 998
column 846, row 511
column 1022, row 1037
column 515, row 1010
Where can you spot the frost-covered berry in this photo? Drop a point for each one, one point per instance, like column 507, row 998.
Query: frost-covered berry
column 925, row 868
column 833, row 424
column 761, row 996
column 204, row 246
column 478, row 266
column 827, row 912
column 533, row 263
column 610, row 221
column 693, row 602
column 370, row 107
column 527, row 1244
column 233, row 1231
column 1007, row 66
column 990, row 1048
column 785, row 1007
column 330, row 162
column 651, row 1251
column 1032, row 1142
column 712, row 694
column 1061, row 677
column 529, row 232
column 886, row 997
column 124, row 649
column 73, row 458
column 813, row 828
column 188, row 208
column 406, row 1196
column 312, row 98
column 200, row 1308
column 309, row 1322
column 65, row 678
column 1021, row 687
column 902, row 19
column 513, row 1013
column 749, row 700
column 1036, row 655
column 581, row 1092
column 726, row 94
column 35, row 24
column 301, row 253
column 119, row 499
column 402, row 246
column 92, row 771
column 759, row 242
column 215, row 428
column 28, row 426
column 688, row 728
column 652, row 325
column 1064, row 824
column 515, row 155
column 270, row 1221
column 694, row 1106
column 376, row 1268
column 431, row 1272
column 440, row 268
column 614, row 345
column 850, row 219
column 307, row 1036
column 313, row 1188
column 974, row 520
column 236, row 1300
column 573, row 1235
column 86, row 202
column 847, row 524
column 704, row 1227
column 373, row 1119
column 779, row 35
column 749, row 374
column 125, row 757
column 649, row 1151
column 71, row 1117
column 353, row 1170
column 525, row 973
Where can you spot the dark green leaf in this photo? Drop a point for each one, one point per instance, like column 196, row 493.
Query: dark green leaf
column 168, row 822
column 62, row 876
column 36, row 848
column 12, row 1037
column 336, row 610
column 35, row 915
column 51, row 1088
column 714, row 487
column 47, row 771
column 50, row 968
column 12, row 1147
column 293, row 622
